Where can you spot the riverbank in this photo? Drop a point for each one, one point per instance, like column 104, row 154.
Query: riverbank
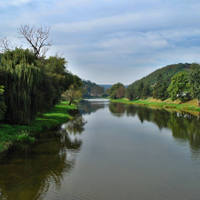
column 190, row 106
column 46, row 121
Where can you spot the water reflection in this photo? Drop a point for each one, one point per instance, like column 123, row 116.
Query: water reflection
column 184, row 126
column 31, row 174
column 117, row 109
column 88, row 107
column 74, row 126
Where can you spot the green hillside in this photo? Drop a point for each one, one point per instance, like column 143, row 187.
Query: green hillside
column 167, row 72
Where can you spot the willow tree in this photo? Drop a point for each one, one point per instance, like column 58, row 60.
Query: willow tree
column 21, row 79
column 2, row 104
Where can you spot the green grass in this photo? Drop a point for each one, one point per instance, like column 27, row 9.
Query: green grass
column 58, row 115
column 167, row 104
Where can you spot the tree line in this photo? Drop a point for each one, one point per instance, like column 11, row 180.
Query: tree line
column 183, row 86
column 30, row 83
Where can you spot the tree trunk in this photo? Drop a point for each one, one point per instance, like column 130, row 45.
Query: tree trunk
column 70, row 101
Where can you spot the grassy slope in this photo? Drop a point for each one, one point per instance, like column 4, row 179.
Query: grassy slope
column 58, row 115
column 190, row 106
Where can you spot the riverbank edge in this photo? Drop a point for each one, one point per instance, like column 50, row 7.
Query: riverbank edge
column 167, row 104
column 43, row 122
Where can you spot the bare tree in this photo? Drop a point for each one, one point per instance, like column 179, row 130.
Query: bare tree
column 5, row 44
column 37, row 38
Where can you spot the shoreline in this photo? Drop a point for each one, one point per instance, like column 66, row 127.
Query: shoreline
column 43, row 122
column 167, row 104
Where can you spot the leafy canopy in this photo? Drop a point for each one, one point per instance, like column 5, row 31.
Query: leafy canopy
column 178, row 85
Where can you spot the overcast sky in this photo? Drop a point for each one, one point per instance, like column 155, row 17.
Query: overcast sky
column 110, row 41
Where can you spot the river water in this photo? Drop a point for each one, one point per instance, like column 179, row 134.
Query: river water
column 109, row 151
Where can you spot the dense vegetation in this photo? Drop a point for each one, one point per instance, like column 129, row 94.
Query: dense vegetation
column 117, row 91
column 92, row 89
column 30, row 83
column 167, row 73
column 10, row 134
column 183, row 85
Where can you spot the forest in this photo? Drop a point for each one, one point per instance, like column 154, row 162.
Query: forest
column 183, row 85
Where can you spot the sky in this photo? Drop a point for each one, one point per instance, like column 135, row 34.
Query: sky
column 110, row 41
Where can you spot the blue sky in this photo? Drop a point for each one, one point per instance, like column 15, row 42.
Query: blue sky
column 110, row 41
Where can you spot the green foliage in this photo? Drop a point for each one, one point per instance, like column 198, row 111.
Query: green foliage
column 178, row 85
column 167, row 73
column 55, row 64
column 194, row 81
column 140, row 89
column 92, row 89
column 120, row 92
column 2, row 104
column 160, row 89
column 75, row 90
column 24, row 136
column 20, row 77
column 104, row 94
column 114, row 91
column 146, row 91
column 32, row 85
column 55, row 80
column 130, row 93
column 59, row 114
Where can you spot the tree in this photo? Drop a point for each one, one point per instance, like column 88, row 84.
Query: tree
column 21, row 78
column 160, row 88
column 146, row 91
column 2, row 104
column 194, row 81
column 37, row 38
column 163, row 94
column 113, row 90
column 120, row 92
column 96, row 90
column 75, row 90
column 178, row 85
column 5, row 44
column 131, row 93
column 140, row 89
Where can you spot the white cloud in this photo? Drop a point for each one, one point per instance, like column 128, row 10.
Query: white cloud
column 75, row 3
column 105, row 22
column 129, row 38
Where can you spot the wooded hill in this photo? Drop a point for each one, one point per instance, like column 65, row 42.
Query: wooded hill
column 92, row 89
column 167, row 72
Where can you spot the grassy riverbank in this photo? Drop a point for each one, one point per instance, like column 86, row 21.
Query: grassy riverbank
column 190, row 106
column 58, row 115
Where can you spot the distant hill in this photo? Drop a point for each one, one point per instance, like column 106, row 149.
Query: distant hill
column 109, row 86
column 92, row 89
column 106, row 86
column 167, row 72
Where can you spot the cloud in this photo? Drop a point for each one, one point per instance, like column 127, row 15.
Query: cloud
column 112, row 40
column 103, row 22
column 15, row 2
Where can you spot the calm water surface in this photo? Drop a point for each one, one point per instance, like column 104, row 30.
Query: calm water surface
column 109, row 151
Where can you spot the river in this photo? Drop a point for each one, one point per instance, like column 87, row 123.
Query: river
column 110, row 151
